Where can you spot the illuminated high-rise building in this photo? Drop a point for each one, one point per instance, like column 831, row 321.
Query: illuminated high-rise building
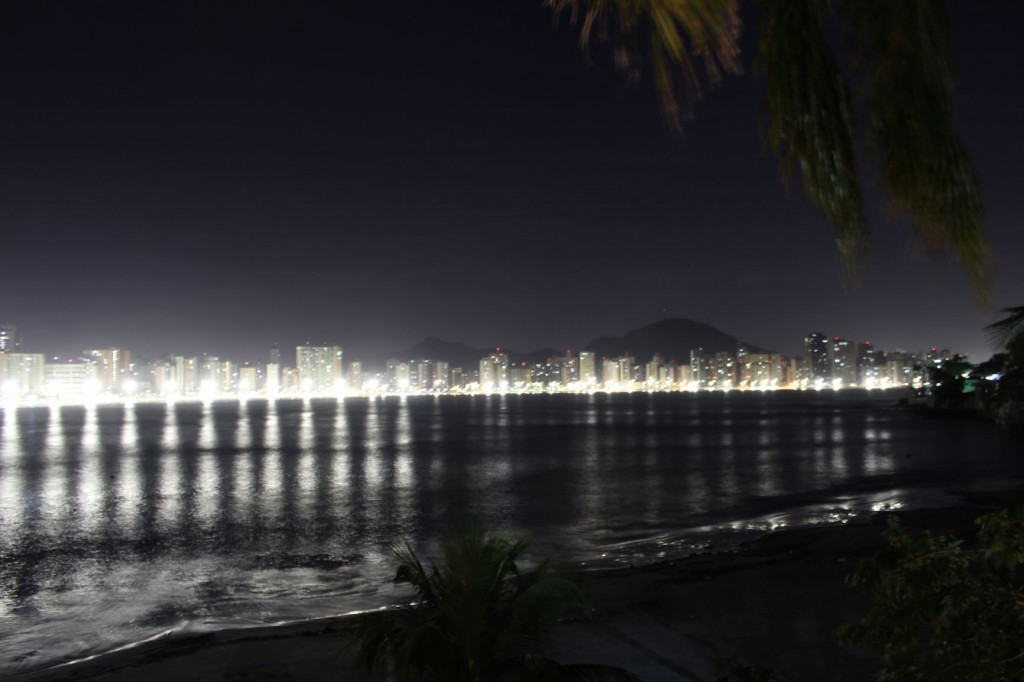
column 870, row 365
column 626, row 370
column 494, row 374
column 724, row 370
column 248, row 379
column 403, row 376
column 10, row 339
column 487, row 375
column 795, row 370
column 272, row 380
column 190, row 376
column 701, row 374
column 611, row 373
column 162, row 373
column 754, row 369
column 319, row 368
column 588, row 368
column 900, row 368
column 272, row 384
column 112, row 367
column 69, row 380
column 210, row 375
column 176, row 376
column 555, row 371
column 442, row 376
column 776, row 369
column 844, row 362
column 570, row 368
column 289, row 381
column 355, row 375
column 674, row 376
column 227, row 377
column 22, row 375
column 759, row 370
column 520, row 375
column 617, row 372
column 543, row 373
column 816, row 355
column 652, row 372
column 424, row 375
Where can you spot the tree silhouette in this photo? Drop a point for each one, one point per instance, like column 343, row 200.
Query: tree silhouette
column 942, row 609
column 477, row 616
column 900, row 77
column 1005, row 396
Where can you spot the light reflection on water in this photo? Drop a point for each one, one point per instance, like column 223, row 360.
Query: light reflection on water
column 119, row 521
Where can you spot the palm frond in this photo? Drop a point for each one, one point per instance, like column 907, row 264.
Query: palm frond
column 1007, row 329
column 477, row 615
column 668, row 37
column 811, row 117
column 904, row 60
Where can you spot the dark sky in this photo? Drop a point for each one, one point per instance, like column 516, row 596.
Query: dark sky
column 215, row 176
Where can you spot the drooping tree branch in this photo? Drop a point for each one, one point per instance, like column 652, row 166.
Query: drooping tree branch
column 671, row 38
column 903, row 66
column 811, row 118
column 904, row 61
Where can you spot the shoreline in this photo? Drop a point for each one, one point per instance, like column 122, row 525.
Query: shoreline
column 128, row 401
column 773, row 600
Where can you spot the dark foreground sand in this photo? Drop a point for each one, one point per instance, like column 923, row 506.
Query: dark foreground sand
column 775, row 602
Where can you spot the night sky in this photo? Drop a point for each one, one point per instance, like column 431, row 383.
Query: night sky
column 214, row 176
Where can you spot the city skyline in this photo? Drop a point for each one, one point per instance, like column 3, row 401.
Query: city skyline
column 725, row 363
column 207, row 181
column 271, row 352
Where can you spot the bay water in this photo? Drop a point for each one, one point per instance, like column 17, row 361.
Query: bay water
column 124, row 522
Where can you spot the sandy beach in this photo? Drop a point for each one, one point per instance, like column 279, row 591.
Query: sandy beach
column 776, row 601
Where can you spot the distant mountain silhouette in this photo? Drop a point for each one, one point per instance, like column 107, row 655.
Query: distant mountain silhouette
column 672, row 339
column 461, row 355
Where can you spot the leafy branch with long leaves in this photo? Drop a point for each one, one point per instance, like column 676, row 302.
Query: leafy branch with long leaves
column 1005, row 397
column 901, row 74
column 475, row 616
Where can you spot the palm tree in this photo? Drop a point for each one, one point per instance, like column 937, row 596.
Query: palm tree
column 1005, row 396
column 476, row 616
column 902, row 72
column 1009, row 332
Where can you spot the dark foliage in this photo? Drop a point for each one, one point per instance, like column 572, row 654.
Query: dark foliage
column 477, row 616
column 943, row 610
column 902, row 79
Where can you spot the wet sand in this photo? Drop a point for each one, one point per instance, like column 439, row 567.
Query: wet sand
column 775, row 602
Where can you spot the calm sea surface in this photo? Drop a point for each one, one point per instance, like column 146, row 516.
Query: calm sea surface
column 123, row 522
